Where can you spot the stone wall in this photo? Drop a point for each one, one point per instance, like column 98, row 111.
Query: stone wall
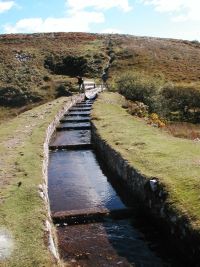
column 153, row 196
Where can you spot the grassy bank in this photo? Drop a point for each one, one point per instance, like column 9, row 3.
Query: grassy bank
column 22, row 211
column 175, row 162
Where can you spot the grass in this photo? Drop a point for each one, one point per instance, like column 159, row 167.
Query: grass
column 184, row 130
column 174, row 161
column 22, row 211
column 7, row 113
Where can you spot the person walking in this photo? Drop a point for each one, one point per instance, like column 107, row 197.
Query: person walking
column 80, row 84
column 104, row 78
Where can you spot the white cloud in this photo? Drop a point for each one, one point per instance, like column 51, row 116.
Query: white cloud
column 180, row 9
column 164, row 5
column 111, row 30
column 80, row 15
column 5, row 6
column 79, row 22
column 76, row 5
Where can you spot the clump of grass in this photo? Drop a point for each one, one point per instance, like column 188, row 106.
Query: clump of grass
column 184, row 130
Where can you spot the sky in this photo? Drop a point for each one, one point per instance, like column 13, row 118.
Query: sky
column 178, row 19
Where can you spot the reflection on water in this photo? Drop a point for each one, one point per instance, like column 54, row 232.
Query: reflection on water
column 76, row 182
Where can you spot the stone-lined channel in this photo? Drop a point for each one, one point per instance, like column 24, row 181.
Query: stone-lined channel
column 94, row 221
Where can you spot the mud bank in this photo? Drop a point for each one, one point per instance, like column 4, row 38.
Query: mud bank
column 153, row 198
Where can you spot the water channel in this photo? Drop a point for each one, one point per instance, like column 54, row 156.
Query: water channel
column 94, row 219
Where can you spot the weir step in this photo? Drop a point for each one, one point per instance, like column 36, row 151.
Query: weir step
column 72, row 137
column 83, row 106
column 72, row 120
column 77, row 114
column 71, row 147
column 92, row 214
column 74, row 126
column 64, row 128
column 80, row 109
column 86, row 102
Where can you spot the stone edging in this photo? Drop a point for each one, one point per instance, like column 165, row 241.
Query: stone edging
column 153, row 197
column 43, row 189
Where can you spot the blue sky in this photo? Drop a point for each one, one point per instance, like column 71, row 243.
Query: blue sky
column 162, row 18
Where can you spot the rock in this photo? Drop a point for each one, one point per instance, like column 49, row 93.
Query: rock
column 153, row 184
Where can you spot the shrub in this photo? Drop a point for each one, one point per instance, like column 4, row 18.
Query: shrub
column 49, row 63
column 181, row 102
column 14, row 97
column 183, row 99
column 68, row 65
column 137, row 108
column 155, row 120
column 62, row 91
column 75, row 65
column 46, row 78
column 195, row 42
column 138, row 87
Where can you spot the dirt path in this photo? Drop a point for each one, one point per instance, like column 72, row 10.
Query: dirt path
column 21, row 158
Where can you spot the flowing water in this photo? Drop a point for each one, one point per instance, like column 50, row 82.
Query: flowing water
column 83, row 198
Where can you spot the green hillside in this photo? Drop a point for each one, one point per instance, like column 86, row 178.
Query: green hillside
column 32, row 67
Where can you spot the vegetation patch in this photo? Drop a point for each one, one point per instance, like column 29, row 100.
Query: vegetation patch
column 173, row 101
column 68, row 65
column 22, row 211
column 13, row 97
column 173, row 60
column 138, row 87
column 175, row 162
column 33, row 66
column 184, row 130
column 182, row 100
